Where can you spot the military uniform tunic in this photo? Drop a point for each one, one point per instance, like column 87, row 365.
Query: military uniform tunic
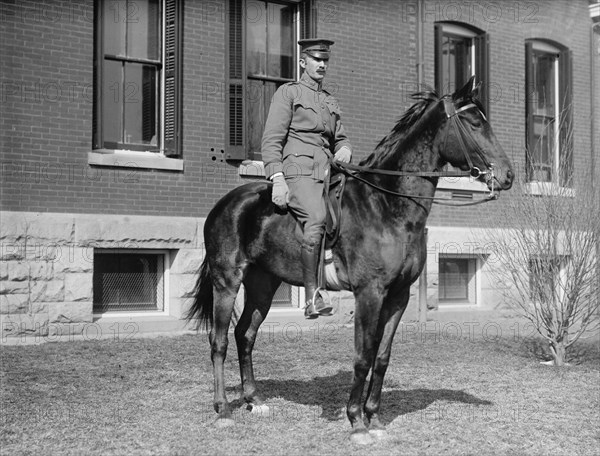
column 302, row 131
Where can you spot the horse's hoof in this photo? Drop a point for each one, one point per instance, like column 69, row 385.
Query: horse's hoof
column 259, row 410
column 379, row 434
column 224, row 422
column 361, row 438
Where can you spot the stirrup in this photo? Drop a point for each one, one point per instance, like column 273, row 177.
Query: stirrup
column 309, row 310
column 324, row 310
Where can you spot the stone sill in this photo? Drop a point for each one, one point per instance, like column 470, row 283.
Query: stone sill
column 548, row 189
column 252, row 168
column 131, row 159
column 462, row 183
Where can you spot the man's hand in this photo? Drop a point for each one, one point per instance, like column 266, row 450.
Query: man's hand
column 343, row 155
column 281, row 192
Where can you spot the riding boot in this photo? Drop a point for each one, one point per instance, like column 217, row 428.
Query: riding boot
column 310, row 261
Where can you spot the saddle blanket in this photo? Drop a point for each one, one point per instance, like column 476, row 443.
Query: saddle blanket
column 331, row 278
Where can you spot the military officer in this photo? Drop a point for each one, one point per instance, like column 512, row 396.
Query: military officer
column 302, row 133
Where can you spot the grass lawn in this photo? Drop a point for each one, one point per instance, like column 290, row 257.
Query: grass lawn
column 474, row 394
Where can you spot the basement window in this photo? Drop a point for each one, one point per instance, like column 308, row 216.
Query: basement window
column 457, row 281
column 129, row 281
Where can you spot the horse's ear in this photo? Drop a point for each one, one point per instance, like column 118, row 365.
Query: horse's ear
column 469, row 90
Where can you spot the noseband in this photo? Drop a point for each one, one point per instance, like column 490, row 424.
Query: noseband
column 464, row 137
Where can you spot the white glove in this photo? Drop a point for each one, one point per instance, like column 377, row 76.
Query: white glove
column 343, row 155
column 281, row 192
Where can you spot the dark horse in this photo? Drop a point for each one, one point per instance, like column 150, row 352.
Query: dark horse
column 379, row 254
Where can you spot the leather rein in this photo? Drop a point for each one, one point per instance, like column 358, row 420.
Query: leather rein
column 463, row 137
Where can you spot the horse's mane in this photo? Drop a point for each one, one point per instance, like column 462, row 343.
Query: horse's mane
column 403, row 126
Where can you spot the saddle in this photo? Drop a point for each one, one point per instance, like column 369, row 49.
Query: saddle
column 333, row 193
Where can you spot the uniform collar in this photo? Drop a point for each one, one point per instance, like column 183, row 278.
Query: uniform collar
column 310, row 82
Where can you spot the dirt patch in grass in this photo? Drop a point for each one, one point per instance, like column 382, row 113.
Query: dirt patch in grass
column 463, row 395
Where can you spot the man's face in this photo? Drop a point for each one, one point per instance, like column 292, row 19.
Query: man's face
column 314, row 67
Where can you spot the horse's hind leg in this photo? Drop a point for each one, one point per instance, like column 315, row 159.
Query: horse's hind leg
column 260, row 287
column 225, row 290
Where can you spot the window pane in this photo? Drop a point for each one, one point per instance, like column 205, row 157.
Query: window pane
column 256, row 39
column 456, row 61
column 140, row 90
column 454, row 279
column 113, row 17
column 281, row 43
column 143, row 29
column 258, row 101
column 543, row 134
column 112, row 101
column 543, row 68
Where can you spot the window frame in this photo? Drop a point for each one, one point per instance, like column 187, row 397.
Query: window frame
column 473, row 283
column 479, row 68
column 236, row 118
column 167, row 154
column 561, row 176
column 479, row 59
column 165, row 279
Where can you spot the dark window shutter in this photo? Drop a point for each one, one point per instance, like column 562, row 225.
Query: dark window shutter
column 97, row 78
column 235, row 141
column 173, row 77
column 438, row 34
column 482, row 53
column 565, row 80
column 308, row 19
column 529, row 108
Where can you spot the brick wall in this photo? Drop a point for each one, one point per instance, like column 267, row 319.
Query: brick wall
column 509, row 24
column 47, row 96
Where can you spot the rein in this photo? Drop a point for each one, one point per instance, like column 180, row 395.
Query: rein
column 463, row 137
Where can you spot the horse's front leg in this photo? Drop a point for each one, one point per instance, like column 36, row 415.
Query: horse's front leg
column 366, row 315
column 391, row 313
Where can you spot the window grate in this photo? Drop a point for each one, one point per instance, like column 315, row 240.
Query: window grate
column 457, row 280
column 283, row 296
column 128, row 282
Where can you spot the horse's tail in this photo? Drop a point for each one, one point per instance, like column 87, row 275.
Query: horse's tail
column 202, row 308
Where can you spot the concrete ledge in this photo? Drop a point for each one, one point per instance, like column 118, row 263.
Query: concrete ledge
column 127, row 159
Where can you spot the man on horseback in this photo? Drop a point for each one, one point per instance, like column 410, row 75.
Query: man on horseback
column 303, row 133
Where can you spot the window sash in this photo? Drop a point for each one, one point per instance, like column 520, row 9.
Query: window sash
column 548, row 113
column 475, row 43
column 141, row 114
column 249, row 92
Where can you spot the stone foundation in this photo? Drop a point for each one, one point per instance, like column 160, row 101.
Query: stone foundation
column 47, row 259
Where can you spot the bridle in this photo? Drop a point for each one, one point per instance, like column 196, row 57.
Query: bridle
column 464, row 138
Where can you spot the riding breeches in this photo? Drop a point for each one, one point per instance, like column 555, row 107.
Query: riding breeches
column 308, row 206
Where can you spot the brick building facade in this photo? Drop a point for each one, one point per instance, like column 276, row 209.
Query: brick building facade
column 76, row 200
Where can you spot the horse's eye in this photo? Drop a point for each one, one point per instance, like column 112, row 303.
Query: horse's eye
column 477, row 123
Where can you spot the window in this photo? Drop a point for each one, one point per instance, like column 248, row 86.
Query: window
column 283, row 296
column 461, row 51
column 129, row 281
column 548, row 111
column 262, row 46
column 457, row 280
column 545, row 277
column 137, row 76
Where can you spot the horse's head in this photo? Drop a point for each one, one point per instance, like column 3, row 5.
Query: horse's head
column 468, row 142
